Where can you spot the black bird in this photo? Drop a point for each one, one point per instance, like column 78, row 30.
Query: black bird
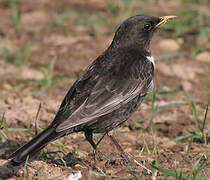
column 109, row 91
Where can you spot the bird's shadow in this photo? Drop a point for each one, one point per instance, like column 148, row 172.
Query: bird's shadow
column 8, row 169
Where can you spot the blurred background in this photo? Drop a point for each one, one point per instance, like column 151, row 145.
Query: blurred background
column 44, row 47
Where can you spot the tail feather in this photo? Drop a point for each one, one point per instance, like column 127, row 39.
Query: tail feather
column 34, row 145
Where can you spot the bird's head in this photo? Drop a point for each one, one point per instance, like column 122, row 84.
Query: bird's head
column 137, row 31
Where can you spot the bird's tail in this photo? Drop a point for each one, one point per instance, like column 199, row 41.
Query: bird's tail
column 34, row 145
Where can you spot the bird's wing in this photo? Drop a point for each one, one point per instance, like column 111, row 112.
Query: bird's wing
column 107, row 97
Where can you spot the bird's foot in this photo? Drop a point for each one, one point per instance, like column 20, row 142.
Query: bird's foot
column 125, row 157
column 112, row 160
column 117, row 159
column 97, row 155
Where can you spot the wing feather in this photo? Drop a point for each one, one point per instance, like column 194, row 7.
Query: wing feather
column 113, row 79
column 104, row 99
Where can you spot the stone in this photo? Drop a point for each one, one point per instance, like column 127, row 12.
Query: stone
column 169, row 45
column 203, row 57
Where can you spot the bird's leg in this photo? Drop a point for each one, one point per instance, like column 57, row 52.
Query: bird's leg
column 119, row 147
column 89, row 138
column 100, row 139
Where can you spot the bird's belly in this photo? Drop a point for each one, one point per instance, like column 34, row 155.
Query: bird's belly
column 116, row 118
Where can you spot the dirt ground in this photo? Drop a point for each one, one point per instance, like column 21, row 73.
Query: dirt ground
column 42, row 54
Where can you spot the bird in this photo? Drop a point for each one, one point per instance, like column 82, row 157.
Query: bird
column 108, row 92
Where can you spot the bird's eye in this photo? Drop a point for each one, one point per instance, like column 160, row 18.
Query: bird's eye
column 147, row 27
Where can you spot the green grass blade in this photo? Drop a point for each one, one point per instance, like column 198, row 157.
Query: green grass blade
column 36, row 118
column 195, row 115
column 205, row 116
column 16, row 14
column 154, row 112
column 179, row 175
column 180, row 138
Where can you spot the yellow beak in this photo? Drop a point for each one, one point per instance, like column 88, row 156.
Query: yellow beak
column 164, row 20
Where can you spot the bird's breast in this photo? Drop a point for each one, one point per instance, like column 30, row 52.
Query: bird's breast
column 151, row 59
